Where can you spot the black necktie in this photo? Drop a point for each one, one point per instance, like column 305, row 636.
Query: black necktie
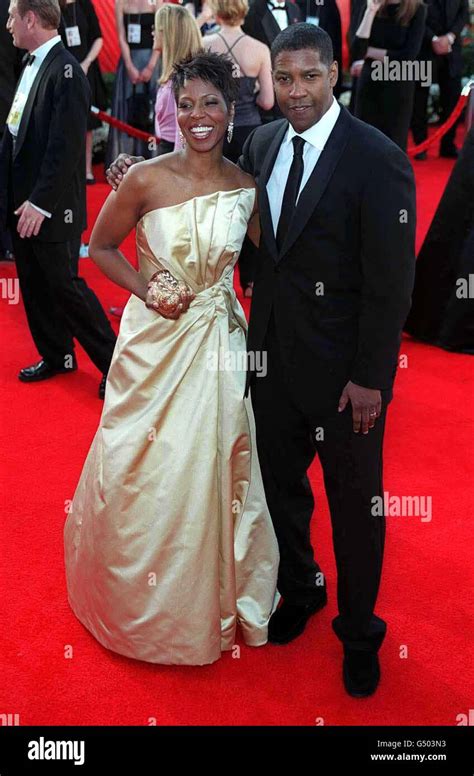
column 291, row 190
column 28, row 59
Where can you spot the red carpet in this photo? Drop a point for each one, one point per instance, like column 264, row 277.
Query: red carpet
column 47, row 429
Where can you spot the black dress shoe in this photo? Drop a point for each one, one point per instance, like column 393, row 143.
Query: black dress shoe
column 102, row 385
column 289, row 620
column 43, row 371
column 361, row 672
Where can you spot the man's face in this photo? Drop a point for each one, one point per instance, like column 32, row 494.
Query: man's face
column 18, row 27
column 303, row 86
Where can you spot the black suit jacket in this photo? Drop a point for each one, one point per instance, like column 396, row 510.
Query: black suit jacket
column 10, row 65
column 48, row 161
column 340, row 287
column 261, row 24
column 445, row 16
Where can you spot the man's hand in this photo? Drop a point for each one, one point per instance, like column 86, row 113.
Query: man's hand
column 366, row 406
column 30, row 220
column 119, row 168
column 441, row 45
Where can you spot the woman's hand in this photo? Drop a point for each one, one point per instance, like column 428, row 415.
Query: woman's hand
column 373, row 6
column 133, row 74
column 356, row 68
column 146, row 74
column 168, row 296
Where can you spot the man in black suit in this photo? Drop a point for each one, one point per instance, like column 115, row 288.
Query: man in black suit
column 42, row 195
column 327, row 16
column 331, row 295
column 442, row 46
column 332, row 292
column 10, row 68
column 264, row 21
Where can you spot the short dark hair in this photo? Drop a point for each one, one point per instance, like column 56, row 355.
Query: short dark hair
column 215, row 69
column 304, row 36
column 47, row 11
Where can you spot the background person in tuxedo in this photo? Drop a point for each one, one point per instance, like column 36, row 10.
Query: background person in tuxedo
column 332, row 292
column 441, row 45
column 10, row 68
column 326, row 15
column 42, row 174
column 264, row 21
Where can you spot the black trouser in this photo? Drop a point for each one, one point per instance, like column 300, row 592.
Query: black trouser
column 287, row 443
column 449, row 91
column 59, row 305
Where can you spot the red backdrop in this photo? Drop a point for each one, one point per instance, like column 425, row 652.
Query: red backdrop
column 110, row 52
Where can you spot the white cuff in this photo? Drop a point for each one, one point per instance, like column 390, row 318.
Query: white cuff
column 40, row 210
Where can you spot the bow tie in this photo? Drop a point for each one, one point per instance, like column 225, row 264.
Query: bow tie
column 276, row 7
column 28, row 59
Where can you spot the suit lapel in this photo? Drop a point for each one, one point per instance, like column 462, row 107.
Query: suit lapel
column 264, row 204
column 318, row 180
column 32, row 96
column 270, row 26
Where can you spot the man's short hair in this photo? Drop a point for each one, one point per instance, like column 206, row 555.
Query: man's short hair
column 304, row 36
column 47, row 11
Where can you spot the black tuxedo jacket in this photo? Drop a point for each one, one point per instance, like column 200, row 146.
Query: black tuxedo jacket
column 446, row 16
column 48, row 161
column 340, row 287
column 261, row 24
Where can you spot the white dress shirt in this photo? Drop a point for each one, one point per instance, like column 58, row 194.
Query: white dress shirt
column 24, row 87
column 279, row 14
column 316, row 138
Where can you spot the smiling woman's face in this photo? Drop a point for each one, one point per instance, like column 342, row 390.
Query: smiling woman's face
column 203, row 115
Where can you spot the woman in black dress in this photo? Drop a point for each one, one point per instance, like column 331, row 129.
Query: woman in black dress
column 81, row 34
column 389, row 30
column 442, row 310
column 137, row 74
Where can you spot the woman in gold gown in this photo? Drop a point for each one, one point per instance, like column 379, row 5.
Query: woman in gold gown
column 169, row 543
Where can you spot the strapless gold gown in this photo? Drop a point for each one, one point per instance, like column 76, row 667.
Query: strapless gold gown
column 169, row 543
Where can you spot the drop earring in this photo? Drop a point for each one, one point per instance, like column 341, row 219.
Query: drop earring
column 230, row 131
column 182, row 140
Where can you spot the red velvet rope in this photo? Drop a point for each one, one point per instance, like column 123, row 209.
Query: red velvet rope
column 463, row 97
column 138, row 133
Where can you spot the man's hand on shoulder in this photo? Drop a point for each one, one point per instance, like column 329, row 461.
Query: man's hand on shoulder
column 119, row 168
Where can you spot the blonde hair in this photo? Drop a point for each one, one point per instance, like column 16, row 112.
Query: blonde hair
column 180, row 35
column 232, row 12
column 406, row 10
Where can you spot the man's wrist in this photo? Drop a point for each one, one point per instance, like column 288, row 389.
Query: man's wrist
column 40, row 210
